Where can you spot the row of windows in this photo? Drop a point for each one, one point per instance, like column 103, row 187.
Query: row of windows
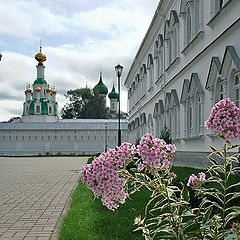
column 166, row 47
column 192, row 109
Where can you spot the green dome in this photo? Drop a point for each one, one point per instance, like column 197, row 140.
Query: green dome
column 113, row 94
column 100, row 87
column 40, row 81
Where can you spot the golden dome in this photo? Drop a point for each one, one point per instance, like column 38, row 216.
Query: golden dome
column 38, row 89
column 54, row 90
column 48, row 89
column 40, row 57
column 28, row 90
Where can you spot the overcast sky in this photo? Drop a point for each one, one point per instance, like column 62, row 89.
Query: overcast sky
column 78, row 37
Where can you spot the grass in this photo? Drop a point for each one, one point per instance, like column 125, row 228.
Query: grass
column 88, row 219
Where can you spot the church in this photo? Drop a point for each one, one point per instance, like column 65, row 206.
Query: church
column 188, row 60
column 41, row 132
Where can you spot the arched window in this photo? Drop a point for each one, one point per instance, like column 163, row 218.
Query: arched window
column 219, row 90
column 197, row 16
column 237, row 96
column 50, row 109
column 27, row 109
column 37, row 109
column 175, row 45
column 189, row 25
column 150, row 124
column 169, row 51
column 150, row 71
column 190, row 118
column 219, row 4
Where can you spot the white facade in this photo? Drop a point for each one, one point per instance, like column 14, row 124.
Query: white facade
column 189, row 59
column 80, row 136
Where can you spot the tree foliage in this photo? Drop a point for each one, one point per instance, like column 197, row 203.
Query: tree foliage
column 84, row 103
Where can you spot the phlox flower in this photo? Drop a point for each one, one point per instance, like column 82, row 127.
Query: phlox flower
column 101, row 176
column 224, row 119
column 195, row 181
column 155, row 153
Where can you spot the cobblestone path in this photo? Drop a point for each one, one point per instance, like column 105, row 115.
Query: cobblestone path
column 33, row 195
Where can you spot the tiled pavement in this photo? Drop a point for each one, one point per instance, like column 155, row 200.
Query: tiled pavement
column 33, row 195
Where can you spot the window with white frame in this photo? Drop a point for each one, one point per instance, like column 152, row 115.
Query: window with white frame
column 175, row 122
column 189, row 118
column 219, row 91
column 218, row 5
column 37, row 109
column 236, row 85
column 192, row 16
column 150, row 71
column 144, row 79
column 197, row 16
column 175, row 44
column 198, row 115
column 159, row 55
column 188, row 25
column 150, row 124
column 169, row 42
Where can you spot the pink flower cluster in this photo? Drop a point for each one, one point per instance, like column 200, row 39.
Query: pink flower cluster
column 194, row 181
column 101, row 176
column 224, row 119
column 155, row 152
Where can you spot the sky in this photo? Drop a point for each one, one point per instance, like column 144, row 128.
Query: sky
column 79, row 38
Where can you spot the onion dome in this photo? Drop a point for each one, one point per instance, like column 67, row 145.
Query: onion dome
column 40, row 81
column 28, row 90
column 54, row 91
column 38, row 89
column 100, row 87
column 40, row 57
column 113, row 94
column 48, row 89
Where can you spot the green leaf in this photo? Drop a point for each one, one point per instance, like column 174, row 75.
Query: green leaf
column 233, row 146
column 185, row 195
column 207, row 215
column 213, row 148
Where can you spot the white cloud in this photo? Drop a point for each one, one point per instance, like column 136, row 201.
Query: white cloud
column 28, row 20
column 90, row 37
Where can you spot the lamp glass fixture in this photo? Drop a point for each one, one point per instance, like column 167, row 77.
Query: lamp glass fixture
column 118, row 70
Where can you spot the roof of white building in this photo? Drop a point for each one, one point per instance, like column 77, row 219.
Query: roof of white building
column 78, row 124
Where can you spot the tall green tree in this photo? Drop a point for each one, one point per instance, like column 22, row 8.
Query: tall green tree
column 84, row 103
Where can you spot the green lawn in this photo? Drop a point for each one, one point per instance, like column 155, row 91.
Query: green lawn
column 88, row 219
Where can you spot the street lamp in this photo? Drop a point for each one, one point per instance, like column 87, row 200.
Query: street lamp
column 118, row 70
column 106, row 142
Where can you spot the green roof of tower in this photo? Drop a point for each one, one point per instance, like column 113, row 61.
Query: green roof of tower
column 100, row 87
column 113, row 94
column 40, row 81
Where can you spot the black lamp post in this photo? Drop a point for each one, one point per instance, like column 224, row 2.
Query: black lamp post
column 118, row 70
column 106, row 137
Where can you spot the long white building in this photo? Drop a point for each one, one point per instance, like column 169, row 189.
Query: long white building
column 188, row 60
column 40, row 131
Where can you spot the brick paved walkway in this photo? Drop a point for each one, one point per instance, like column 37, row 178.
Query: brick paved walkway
column 33, row 194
